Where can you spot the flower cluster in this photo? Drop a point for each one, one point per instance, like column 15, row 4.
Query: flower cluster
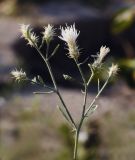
column 69, row 34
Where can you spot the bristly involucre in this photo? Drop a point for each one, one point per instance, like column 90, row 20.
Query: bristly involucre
column 100, row 57
column 49, row 33
column 113, row 70
column 25, row 29
column 69, row 34
column 19, row 75
column 27, row 34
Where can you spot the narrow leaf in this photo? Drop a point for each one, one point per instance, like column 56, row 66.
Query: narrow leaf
column 55, row 50
column 40, row 79
column 44, row 92
column 84, row 61
column 34, row 80
column 65, row 115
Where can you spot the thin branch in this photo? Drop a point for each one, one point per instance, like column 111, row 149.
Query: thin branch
column 93, row 101
column 84, row 61
column 80, row 70
column 41, row 45
column 47, row 50
column 53, row 53
column 92, row 75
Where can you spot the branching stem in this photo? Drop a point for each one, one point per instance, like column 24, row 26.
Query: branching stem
column 56, row 90
column 55, row 84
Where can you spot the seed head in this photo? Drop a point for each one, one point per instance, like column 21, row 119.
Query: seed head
column 27, row 34
column 69, row 34
column 33, row 39
column 49, row 33
column 25, row 29
column 19, row 75
column 113, row 70
column 100, row 57
column 103, row 52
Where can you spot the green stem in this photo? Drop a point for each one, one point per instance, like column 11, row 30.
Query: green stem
column 85, row 86
column 83, row 117
column 80, row 70
column 51, row 74
column 47, row 49
column 58, row 93
column 77, row 137
column 91, row 77
column 83, row 111
column 76, row 144
column 68, row 113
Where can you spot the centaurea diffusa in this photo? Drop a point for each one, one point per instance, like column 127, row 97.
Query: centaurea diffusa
column 19, row 75
column 49, row 33
column 100, row 57
column 69, row 34
column 29, row 35
column 113, row 70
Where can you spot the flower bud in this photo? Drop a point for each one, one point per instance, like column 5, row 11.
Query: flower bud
column 67, row 77
column 49, row 33
column 100, row 57
column 113, row 70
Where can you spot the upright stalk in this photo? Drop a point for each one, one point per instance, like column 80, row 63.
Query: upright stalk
column 76, row 144
column 83, row 111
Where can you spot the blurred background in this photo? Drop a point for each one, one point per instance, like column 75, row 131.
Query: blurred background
column 31, row 127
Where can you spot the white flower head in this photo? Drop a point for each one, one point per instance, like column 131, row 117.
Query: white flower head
column 33, row 39
column 49, row 33
column 27, row 34
column 100, row 57
column 113, row 70
column 19, row 75
column 25, row 29
column 69, row 34
column 103, row 52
